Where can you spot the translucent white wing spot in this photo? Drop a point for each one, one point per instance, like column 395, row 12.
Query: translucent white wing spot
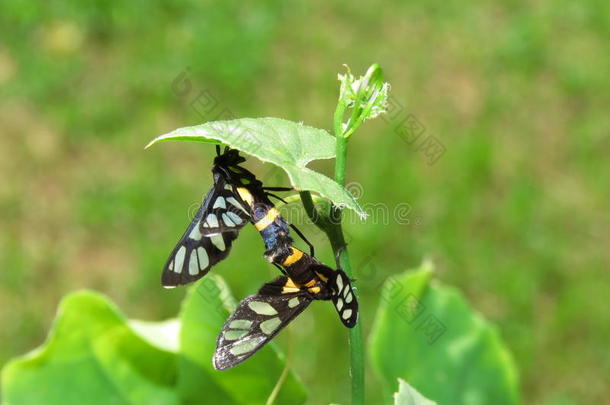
column 246, row 346
column 339, row 304
column 218, row 241
column 195, row 233
column 270, row 325
column 203, row 258
column 240, row 324
column 211, row 221
column 234, row 217
column 220, row 203
column 236, row 203
column 179, row 260
column 262, row 308
column 347, row 314
column 339, row 283
column 349, row 298
column 237, row 329
column 227, row 220
column 293, row 302
column 193, row 266
column 235, row 334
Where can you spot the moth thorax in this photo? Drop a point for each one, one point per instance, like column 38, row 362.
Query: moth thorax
column 270, row 256
column 276, row 255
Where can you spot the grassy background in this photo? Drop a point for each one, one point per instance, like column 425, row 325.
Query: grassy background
column 514, row 213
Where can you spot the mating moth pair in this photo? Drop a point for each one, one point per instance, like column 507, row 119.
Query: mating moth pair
column 235, row 198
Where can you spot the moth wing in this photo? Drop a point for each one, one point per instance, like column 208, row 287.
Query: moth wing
column 226, row 211
column 344, row 298
column 196, row 253
column 257, row 319
column 342, row 294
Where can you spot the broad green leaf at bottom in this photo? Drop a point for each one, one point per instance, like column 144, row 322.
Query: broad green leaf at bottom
column 427, row 334
column 91, row 357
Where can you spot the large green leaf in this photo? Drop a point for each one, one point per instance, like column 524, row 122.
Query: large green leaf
column 428, row 335
column 204, row 311
column 95, row 356
column 286, row 144
column 92, row 356
column 408, row 395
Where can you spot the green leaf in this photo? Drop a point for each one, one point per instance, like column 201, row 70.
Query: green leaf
column 203, row 314
column 95, row 356
column 408, row 395
column 91, row 356
column 286, row 144
column 428, row 335
column 163, row 334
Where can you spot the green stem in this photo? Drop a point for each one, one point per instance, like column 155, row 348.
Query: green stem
column 330, row 223
column 340, row 161
column 341, row 253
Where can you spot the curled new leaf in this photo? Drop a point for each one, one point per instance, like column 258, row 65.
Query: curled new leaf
column 366, row 96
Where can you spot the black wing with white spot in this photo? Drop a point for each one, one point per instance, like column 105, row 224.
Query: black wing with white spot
column 341, row 293
column 195, row 252
column 227, row 212
column 344, row 298
column 257, row 319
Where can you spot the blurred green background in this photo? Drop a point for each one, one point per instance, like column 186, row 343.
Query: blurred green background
column 513, row 214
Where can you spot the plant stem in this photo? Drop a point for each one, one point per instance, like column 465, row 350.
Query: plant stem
column 342, row 256
column 340, row 162
column 371, row 92
column 330, row 223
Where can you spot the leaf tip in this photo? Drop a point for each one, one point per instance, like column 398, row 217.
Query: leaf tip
column 151, row 143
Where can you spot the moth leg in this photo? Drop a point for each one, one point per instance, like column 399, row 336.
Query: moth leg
column 280, row 268
column 276, row 196
column 278, row 188
column 298, row 232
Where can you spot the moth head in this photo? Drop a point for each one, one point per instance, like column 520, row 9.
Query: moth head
column 229, row 158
